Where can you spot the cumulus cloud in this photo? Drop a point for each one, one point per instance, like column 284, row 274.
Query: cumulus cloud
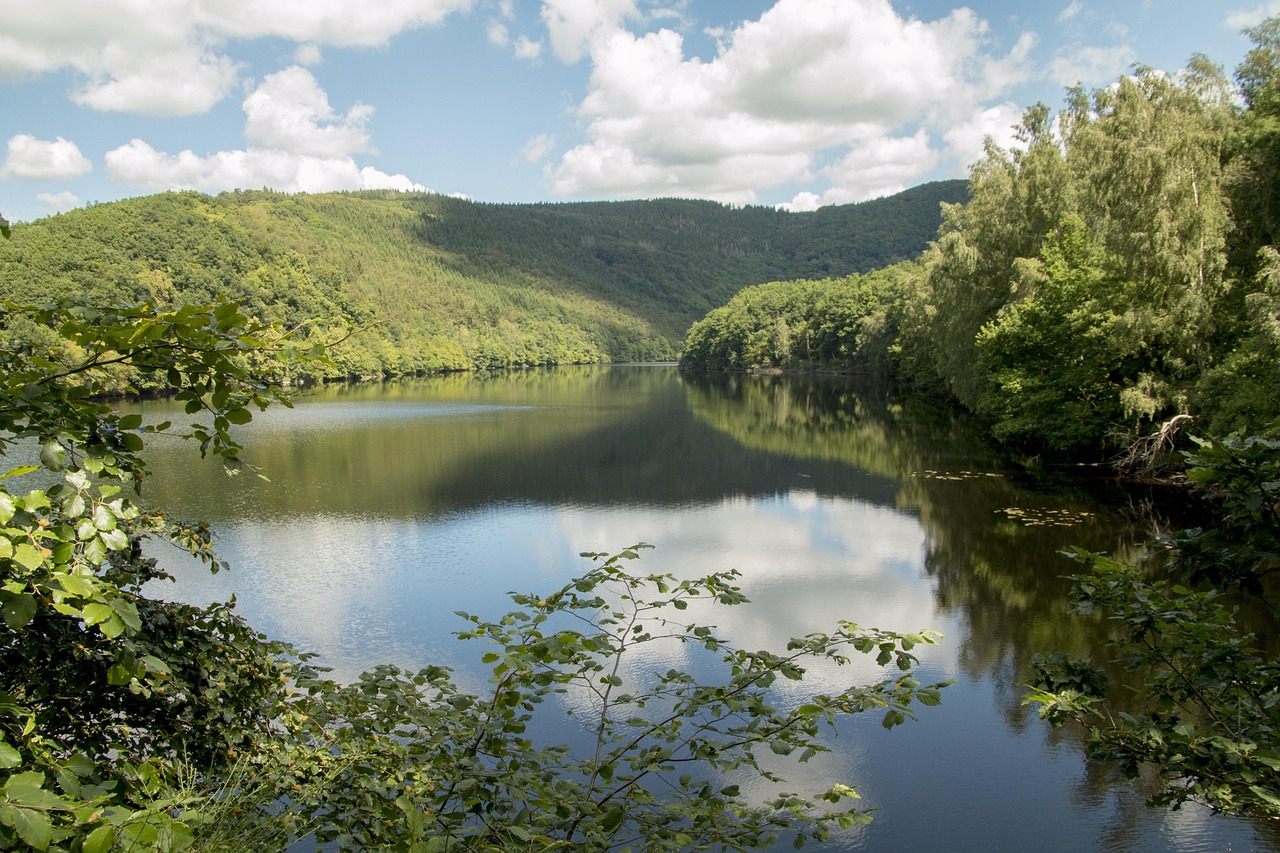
column 966, row 140
column 139, row 165
column 168, row 59
column 872, row 169
column 298, row 143
column 34, row 159
column 522, row 46
column 574, row 24
column 808, row 83
column 290, row 112
column 1241, row 18
column 59, row 202
column 1091, row 66
column 335, row 22
column 880, row 167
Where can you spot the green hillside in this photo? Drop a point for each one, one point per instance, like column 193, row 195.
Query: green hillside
column 443, row 283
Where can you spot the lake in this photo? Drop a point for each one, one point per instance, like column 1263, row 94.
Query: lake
column 391, row 506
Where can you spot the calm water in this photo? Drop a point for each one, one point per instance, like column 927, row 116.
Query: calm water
column 390, row 507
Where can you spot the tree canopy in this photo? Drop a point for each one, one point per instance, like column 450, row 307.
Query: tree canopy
column 1113, row 270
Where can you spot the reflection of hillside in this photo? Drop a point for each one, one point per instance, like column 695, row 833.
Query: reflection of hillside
column 595, row 435
column 992, row 544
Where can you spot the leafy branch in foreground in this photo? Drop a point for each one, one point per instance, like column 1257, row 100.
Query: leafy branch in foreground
column 105, row 691
column 1208, row 716
column 431, row 767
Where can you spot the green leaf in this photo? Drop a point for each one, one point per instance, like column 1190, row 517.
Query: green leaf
column 96, row 613
column 612, row 819
column 33, row 827
column 76, row 585
column 19, row 610
column 130, row 421
column 28, row 556
column 115, row 540
column 239, row 416
column 104, row 518
column 9, row 757
column 100, row 840
column 53, row 456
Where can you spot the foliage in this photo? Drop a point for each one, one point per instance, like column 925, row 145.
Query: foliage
column 1060, row 357
column 1112, row 215
column 421, row 764
column 846, row 324
column 101, row 687
column 1207, row 718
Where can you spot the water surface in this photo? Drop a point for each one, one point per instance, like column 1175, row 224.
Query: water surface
column 390, row 507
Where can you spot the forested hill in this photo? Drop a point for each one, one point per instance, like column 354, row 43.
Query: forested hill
column 445, row 283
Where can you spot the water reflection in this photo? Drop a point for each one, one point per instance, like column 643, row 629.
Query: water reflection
column 390, row 507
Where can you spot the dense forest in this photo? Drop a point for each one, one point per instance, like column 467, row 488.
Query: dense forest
column 1112, row 271
column 440, row 283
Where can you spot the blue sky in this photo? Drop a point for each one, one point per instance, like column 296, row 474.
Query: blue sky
column 797, row 103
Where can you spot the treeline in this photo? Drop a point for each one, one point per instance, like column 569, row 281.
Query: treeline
column 437, row 284
column 1112, row 270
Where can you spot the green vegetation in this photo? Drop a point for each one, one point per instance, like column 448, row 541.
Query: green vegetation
column 439, row 283
column 1113, row 271
column 127, row 722
column 1207, row 717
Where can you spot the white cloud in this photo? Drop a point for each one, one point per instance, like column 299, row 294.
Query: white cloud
column 1091, row 66
column 181, row 82
column 803, row 202
column 167, row 58
column 290, row 112
column 297, row 144
column 335, row 22
column 527, row 48
column 496, row 32
column 537, row 148
column 139, row 165
column 59, row 202
column 574, row 24
column 34, row 159
column 1241, row 18
column 308, row 54
column 1070, row 12
column 808, row 80
column 966, row 140
column 880, row 167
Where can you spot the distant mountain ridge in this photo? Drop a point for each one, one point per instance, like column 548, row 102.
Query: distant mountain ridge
column 446, row 283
